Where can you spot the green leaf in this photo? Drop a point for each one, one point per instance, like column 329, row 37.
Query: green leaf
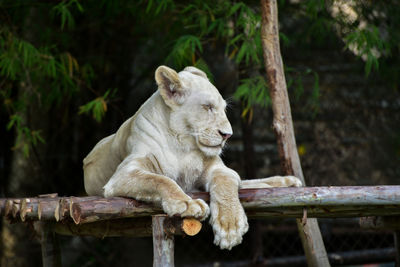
column 234, row 8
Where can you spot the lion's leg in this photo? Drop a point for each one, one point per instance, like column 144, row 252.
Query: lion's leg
column 275, row 181
column 131, row 180
column 228, row 218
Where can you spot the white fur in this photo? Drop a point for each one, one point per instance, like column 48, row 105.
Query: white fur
column 172, row 146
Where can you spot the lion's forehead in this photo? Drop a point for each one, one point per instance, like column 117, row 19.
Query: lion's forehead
column 203, row 92
column 206, row 98
column 195, row 82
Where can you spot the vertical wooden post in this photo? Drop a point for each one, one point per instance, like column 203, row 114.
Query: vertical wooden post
column 163, row 243
column 51, row 255
column 309, row 232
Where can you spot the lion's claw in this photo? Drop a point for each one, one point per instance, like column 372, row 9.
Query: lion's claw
column 229, row 225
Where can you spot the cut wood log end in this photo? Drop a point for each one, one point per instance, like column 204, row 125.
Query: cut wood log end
column 23, row 211
column 39, row 211
column 15, row 209
column 191, row 226
column 75, row 212
column 57, row 213
column 8, row 207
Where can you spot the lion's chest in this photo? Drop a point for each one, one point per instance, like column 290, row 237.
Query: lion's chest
column 185, row 169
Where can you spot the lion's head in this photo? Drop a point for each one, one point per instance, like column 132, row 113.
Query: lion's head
column 197, row 108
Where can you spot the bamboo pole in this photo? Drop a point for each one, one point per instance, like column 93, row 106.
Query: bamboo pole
column 163, row 243
column 309, row 230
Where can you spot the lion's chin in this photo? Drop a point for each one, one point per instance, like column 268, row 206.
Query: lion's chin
column 210, row 150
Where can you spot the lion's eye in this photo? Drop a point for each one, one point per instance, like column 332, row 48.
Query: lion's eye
column 209, row 107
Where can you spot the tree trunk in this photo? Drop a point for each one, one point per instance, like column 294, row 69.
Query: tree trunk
column 309, row 230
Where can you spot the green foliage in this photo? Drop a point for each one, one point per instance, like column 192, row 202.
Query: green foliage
column 63, row 10
column 43, row 58
column 236, row 26
column 25, row 136
column 368, row 44
column 34, row 68
column 159, row 6
column 184, row 50
column 35, row 73
column 253, row 91
column 295, row 84
column 98, row 106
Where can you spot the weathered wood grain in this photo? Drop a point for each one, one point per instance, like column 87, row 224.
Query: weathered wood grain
column 334, row 201
column 310, row 234
column 163, row 243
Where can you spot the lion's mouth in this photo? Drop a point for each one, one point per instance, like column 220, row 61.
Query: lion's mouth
column 211, row 146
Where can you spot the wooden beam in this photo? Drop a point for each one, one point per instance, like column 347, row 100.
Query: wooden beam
column 309, row 230
column 128, row 227
column 330, row 201
column 320, row 196
column 110, row 208
column 136, row 227
column 350, row 201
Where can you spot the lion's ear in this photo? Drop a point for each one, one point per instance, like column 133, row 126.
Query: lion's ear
column 170, row 86
column 196, row 71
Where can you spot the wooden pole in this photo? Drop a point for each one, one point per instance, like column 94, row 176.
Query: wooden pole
column 110, row 208
column 130, row 227
column 51, row 255
column 309, row 230
column 284, row 202
column 163, row 243
column 137, row 227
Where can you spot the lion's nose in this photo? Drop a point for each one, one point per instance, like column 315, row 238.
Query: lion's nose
column 225, row 135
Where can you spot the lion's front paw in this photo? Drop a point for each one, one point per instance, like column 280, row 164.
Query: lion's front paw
column 292, row 181
column 229, row 223
column 186, row 208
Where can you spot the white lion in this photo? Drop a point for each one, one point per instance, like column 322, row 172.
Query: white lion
column 172, row 146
